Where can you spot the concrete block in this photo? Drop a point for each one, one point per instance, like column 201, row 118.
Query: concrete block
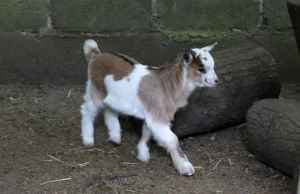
column 277, row 14
column 284, row 50
column 101, row 15
column 18, row 15
column 205, row 15
column 58, row 60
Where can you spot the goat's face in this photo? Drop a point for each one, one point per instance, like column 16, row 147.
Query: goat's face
column 200, row 67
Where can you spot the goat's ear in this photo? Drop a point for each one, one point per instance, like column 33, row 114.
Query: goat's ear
column 210, row 47
column 187, row 57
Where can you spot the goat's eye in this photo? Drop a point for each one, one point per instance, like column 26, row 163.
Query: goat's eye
column 202, row 70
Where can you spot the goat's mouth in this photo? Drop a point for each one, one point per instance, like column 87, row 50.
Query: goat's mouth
column 210, row 84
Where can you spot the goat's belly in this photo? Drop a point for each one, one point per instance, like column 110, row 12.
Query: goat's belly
column 125, row 106
column 122, row 95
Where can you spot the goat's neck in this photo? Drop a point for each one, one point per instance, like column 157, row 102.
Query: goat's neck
column 174, row 82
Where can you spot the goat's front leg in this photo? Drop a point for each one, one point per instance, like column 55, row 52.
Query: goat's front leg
column 167, row 139
column 143, row 150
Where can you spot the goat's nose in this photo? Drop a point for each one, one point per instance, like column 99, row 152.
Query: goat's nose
column 216, row 80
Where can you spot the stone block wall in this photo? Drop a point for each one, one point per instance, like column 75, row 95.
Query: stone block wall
column 20, row 15
column 143, row 15
column 52, row 32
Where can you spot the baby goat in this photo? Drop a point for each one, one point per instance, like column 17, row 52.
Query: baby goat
column 120, row 84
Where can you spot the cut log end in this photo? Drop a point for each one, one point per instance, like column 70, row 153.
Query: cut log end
column 273, row 133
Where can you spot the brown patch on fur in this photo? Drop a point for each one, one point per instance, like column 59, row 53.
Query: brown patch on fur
column 196, row 60
column 132, row 60
column 108, row 64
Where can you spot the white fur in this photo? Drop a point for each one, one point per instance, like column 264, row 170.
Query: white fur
column 89, row 45
column 113, row 125
column 209, row 79
column 89, row 111
column 123, row 94
column 116, row 101
column 167, row 139
column 143, row 150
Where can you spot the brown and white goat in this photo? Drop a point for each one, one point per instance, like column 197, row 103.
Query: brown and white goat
column 119, row 84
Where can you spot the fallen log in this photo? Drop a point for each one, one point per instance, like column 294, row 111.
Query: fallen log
column 273, row 133
column 247, row 74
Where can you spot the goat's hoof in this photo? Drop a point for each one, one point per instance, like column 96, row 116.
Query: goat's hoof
column 144, row 157
column 186, row 169
column 88, row 142
column 114, row 142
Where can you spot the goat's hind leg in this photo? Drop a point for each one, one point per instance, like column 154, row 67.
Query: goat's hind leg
column 89, row 110
column 143, row 149
column 113, row 125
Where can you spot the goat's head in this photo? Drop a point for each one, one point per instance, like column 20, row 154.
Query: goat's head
column 200, row 66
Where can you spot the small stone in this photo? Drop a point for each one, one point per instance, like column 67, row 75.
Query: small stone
column 236, row 30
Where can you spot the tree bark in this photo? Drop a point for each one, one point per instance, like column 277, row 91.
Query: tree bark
column 273, row 133
column 246, row 74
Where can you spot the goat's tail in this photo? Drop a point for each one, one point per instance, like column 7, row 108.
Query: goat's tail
column 90, row 49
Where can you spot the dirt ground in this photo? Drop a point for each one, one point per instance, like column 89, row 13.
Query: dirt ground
column 41, row 152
